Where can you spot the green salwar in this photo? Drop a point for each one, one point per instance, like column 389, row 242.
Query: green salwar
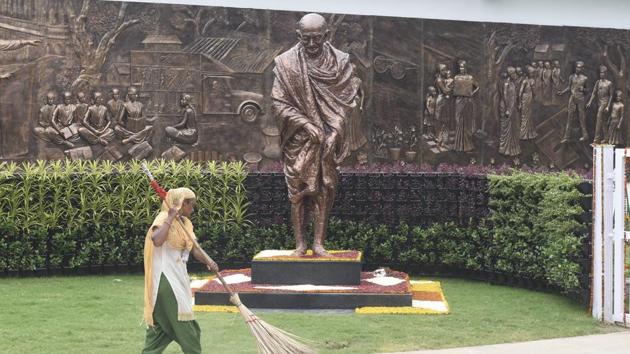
column 167, row 328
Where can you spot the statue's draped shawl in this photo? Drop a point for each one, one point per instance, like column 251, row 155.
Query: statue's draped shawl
column 323, row 95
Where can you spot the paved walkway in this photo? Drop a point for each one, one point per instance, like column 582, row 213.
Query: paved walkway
column 613, row 343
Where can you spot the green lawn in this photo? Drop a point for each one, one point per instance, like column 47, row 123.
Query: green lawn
column 102, row 314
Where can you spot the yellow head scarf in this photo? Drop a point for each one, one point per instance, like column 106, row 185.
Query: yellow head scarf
column 176, row 239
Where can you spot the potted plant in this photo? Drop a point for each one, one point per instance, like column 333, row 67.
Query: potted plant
column 395, row 143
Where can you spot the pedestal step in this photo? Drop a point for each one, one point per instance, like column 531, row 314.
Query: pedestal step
column 389, row 290
column 307, row 301
column 278, row 267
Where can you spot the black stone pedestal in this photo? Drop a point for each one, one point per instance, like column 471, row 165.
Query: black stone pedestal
column 316, row 273
column 340, row 269
column 279, row 280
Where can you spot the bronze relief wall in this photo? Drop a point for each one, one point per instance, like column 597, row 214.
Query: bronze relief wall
column 109, row 80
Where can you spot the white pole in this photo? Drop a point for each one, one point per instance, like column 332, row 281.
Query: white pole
column 607, row 213
column 619, row 235
column 597, row 233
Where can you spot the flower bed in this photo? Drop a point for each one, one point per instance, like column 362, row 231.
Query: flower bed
column 240, row 281
column 428, row 299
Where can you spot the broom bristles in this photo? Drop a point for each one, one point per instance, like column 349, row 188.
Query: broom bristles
column 270, row 339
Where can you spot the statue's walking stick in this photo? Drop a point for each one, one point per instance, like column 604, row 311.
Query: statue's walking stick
column 270, row 339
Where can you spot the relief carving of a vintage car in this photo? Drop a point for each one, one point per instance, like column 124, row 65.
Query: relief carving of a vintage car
column 220, row 97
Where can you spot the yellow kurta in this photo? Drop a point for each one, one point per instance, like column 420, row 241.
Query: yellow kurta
column 169, row 259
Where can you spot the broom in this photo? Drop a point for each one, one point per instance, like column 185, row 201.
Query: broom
column 270, row 339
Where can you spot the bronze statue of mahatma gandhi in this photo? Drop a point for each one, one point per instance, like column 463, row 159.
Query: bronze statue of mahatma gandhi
column 313, row 96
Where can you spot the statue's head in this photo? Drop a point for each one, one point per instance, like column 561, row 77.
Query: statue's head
column 442, row 69
column 579, row 67
column 115, row 94
column 556, row 63
column 602, row 71
column 185, row 100
column 313, row 33
column 132, row 94
column 511, row 71
column 50, row 97
column 534, row 64
column 98, row 98
column 462, row 67
column 81, row 97
column 432, row 90
column 519, row 71
column 619, row 95
column 67, row 97
column 540, row 64
column 449, row 73
column 547, row 65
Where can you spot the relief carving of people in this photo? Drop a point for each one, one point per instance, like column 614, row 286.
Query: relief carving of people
column 615, row 123
column 14, row 44
column 96, row 123
column 64, row 122
column 465, row 87
column 577, row 102
column 537, row 76
column 81, row 106
column 603, row 90
column 540, row 89
column 557, row 81
column 547, row 84
column 132, row 124
column 45, row 129
column 185, row 131
column 509, row 140
column 525, row 100
column 429, row 112
column 355, row 135
column 313, row 96
column 115, row 105
column 444, row 87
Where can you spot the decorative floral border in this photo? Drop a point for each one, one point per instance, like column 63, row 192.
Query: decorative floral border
column 407, row 310
column 215, row 308
column 416, row 287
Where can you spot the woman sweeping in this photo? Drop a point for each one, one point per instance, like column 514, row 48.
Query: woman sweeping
column 168, row 308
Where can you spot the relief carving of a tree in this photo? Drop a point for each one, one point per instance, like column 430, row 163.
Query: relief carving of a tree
column 92, row 53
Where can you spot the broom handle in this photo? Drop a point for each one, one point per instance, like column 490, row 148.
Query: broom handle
column 203, row 253
column 192, row 239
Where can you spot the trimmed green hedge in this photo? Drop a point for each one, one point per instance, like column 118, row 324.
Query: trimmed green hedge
column 535, row 228
column 77, row 214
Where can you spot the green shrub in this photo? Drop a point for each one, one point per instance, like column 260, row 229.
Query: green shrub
column 535, row 232
column 66, row 214
column 81, row 213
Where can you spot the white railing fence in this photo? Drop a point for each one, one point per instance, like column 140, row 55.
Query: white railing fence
column 610, row 200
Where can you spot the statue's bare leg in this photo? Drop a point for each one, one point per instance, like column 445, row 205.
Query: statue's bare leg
column 321, row 212
column 298, row 221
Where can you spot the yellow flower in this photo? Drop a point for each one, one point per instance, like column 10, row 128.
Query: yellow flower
column 215, row 308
